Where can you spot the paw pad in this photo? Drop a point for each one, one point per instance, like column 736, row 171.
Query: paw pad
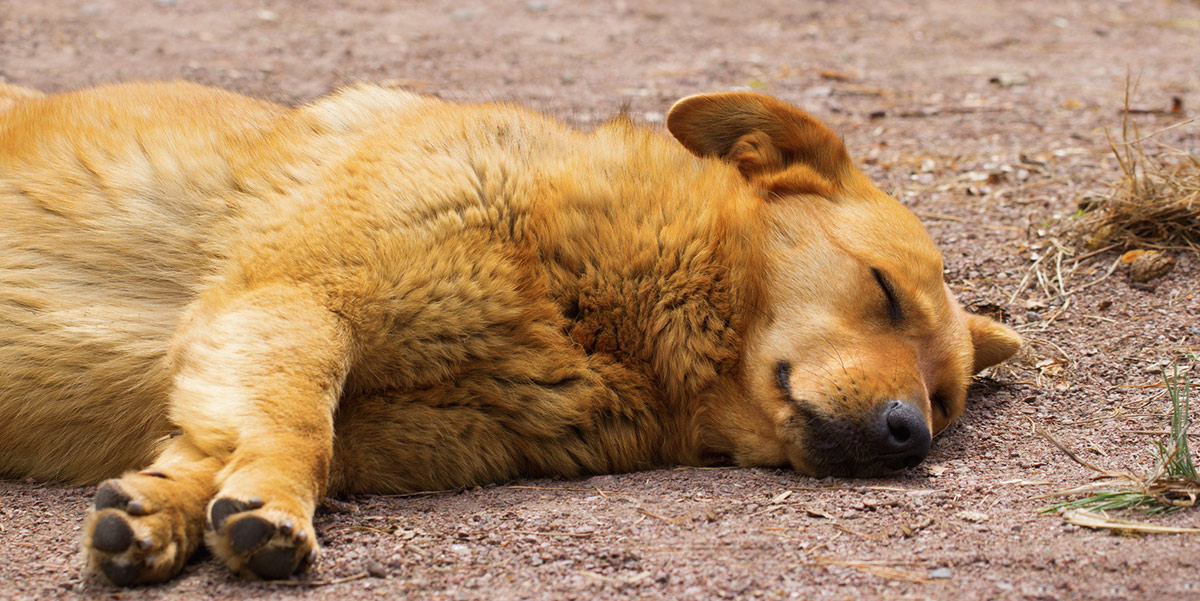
column 262, row 547
column 120, row 574
column 224, row 507
column 110, row 496
column 249, row 532
column 112, row 534
column 273, row 564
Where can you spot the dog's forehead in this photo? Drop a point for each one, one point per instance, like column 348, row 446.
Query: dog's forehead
column 886, row 235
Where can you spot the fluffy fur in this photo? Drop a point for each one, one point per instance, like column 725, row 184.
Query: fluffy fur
column 380, row 292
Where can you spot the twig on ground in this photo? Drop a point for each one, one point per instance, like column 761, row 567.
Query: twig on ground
column 603, row 493
column 1077, row 458
column 876, row 537
column 542, row 533
column 672, row 521
column 957, row 219
column 316, row 583
column 420, row 493
column 874, row 569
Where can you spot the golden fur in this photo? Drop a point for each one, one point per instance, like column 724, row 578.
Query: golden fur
column 382, row 292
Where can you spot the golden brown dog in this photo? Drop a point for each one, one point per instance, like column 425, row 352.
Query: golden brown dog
column 256, row 306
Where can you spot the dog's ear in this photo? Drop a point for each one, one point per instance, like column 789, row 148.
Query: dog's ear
column 993, row 341
column 773, row 143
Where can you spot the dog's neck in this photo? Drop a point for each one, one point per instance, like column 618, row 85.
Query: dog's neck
column 671, row 298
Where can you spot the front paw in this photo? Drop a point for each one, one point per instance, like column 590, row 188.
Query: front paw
column 260, row 540
column 134, row 535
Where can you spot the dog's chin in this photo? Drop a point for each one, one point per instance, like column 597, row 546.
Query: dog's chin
column 846, row 469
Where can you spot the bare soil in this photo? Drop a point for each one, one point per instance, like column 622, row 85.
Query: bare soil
column 986, row 118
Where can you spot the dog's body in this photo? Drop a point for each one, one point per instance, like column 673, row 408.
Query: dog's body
column 382, row 292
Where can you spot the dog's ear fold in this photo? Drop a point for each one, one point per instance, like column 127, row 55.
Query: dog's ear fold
column 993, row 341
column 773, row 143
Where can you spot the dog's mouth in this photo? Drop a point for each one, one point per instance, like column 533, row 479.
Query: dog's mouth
column 840, row 448
column 890, row 439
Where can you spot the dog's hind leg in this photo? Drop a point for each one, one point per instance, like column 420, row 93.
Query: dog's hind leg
column 146, row 524
column 258, row 377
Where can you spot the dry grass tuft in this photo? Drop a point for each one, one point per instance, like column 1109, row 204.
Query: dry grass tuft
column 1156, row 204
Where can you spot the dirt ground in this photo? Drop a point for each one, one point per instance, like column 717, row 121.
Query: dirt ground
column 986, row 118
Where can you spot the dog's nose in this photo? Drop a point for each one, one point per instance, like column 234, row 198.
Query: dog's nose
column 903, row 436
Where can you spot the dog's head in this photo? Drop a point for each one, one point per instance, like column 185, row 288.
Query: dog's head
column 862, row 354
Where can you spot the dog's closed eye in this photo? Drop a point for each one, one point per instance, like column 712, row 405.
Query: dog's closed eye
column 783, row 376
column 895, row 314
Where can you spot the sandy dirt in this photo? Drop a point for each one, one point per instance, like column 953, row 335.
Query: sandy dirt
column 987, row 119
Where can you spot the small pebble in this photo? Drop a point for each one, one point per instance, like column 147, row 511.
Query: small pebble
column 941, row 574
column 536, row 6
column 376, row 569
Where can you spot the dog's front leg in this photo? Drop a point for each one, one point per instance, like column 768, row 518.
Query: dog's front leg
column 258, row 378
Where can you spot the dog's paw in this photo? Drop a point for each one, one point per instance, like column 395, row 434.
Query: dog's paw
column 260, row 540
column 134, row 535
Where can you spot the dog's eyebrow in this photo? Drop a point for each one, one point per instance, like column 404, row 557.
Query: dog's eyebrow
column 894, row 311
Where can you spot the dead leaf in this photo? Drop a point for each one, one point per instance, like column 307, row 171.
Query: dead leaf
column 1092, row 519
column 1130, row 256
column 816, row 513
column 975, row 517
column 1150, row 265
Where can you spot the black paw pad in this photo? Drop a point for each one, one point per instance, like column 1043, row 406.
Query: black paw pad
column 222, row 509
column 112, row 534
column 249, row 532
column 110, row 495
column 273, row 564
column 119, row 574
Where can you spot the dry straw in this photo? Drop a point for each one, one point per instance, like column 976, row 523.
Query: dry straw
column 1156, row 203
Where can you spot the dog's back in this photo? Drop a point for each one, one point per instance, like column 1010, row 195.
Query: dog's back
column 106, row 237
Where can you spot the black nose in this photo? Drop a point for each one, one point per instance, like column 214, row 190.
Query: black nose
column 903, row 436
